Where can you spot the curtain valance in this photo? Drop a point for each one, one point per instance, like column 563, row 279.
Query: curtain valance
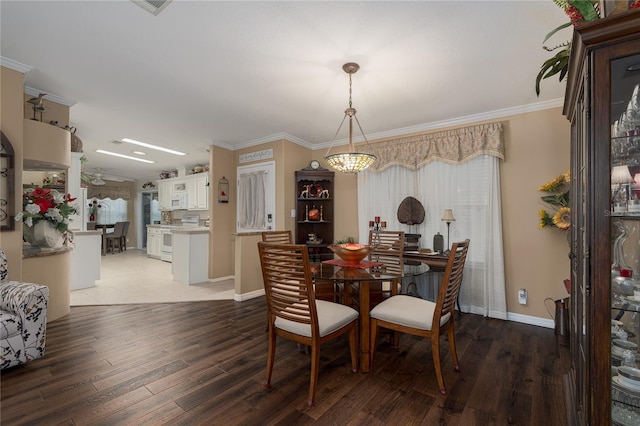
column 109, row 191
column 451, row 146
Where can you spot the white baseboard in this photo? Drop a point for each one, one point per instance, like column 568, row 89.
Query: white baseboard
column 228, row 277
column 528, row 319
column 247, row 296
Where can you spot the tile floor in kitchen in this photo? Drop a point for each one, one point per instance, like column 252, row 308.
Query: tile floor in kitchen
column 131, row 277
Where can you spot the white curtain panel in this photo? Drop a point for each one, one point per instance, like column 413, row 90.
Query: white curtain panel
column 251, row 197
column 472, row 191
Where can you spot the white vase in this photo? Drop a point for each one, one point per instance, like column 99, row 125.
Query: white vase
column 43, row 234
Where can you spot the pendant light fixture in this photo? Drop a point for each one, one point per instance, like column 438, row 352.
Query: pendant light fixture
column 352, row 161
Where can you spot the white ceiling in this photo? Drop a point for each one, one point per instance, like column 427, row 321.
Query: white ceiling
column 235, row 73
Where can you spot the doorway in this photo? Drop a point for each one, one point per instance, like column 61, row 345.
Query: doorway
column 150, row 214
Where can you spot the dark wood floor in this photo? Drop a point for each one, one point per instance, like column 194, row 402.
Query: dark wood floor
column 204, row 363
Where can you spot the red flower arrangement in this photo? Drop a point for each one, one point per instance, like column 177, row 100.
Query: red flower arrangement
column 93, row 210
column 47, row 204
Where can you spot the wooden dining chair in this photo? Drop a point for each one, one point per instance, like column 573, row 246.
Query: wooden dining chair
column 115, row 237
column 325, row 290
column 387, row 247
column 421, row 317
column 293, row 311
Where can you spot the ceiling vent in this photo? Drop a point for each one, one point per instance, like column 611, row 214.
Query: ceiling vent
column 152, row 6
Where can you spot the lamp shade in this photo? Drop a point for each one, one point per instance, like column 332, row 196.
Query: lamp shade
column 97, row 180
column 621, row 174
column 350, row 162
column 636, row 178
column 448, row 216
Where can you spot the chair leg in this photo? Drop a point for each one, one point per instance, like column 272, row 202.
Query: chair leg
column 435, row 353
column 452, row 346
column 374, row 340
column 353, row 345
column 271, row 354
column 315, row 369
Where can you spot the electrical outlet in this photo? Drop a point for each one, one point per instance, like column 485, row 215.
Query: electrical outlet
column 522, row 296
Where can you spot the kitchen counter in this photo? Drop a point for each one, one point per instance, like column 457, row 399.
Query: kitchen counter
column 191, row 254
column 190, row 230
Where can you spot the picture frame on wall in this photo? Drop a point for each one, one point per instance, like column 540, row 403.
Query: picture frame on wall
column 7, row 176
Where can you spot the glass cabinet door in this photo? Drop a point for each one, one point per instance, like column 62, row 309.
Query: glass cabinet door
column 625, row 239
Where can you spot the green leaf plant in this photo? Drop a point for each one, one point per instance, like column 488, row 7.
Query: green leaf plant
column 579, row 11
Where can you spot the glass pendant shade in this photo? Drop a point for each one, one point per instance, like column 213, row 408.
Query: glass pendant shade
column 350, row 162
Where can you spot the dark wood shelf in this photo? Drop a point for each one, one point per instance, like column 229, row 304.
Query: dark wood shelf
column 318, row 181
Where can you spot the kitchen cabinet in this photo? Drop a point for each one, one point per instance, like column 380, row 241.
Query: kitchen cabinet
column 602, row 104
column 164, row 194
column 198, row 192
column 196, row 187
column 314, row 212
column 154, row 242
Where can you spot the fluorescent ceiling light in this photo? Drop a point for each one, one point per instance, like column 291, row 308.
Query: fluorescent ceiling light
column 139, row 152
column 148, row 145
column 128, row 157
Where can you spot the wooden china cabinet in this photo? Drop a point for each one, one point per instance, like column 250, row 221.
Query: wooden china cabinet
column 314, row 212
column 602, row 102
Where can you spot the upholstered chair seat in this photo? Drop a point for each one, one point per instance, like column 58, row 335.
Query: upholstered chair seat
column 23, row 319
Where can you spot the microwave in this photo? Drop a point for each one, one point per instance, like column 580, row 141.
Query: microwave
column 178, row 201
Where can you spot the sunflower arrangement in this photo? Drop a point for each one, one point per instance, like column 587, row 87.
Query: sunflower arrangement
column 558, row 200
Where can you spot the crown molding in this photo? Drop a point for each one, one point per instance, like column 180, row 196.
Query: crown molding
column 15, row 65
column 468, row 119
column 54, row 98
column 266, row 139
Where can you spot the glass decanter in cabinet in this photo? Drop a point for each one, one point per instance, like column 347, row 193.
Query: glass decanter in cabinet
column 602, row 102
column 625, row 238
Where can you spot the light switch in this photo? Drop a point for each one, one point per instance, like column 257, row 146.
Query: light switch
column 522, row 296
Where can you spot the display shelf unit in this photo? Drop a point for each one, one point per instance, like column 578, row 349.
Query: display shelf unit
column 314, row 212
column 605, row 235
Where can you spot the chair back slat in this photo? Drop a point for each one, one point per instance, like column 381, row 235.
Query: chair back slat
column 288, row 283
column 278, row 237
column 387, row 247
column 452, row 280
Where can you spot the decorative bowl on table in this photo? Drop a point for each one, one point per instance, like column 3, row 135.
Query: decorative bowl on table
column 351, row 253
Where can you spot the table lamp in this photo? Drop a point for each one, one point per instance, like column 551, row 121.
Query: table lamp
column 448, row 217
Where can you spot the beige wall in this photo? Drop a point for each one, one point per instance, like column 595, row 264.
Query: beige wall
column 39, row 270
column 11, row 94
column 222, row 215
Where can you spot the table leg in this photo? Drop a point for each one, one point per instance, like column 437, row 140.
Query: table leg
column 104, row 241
column 365, row 326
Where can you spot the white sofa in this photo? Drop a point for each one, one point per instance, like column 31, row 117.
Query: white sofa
column 23, row 319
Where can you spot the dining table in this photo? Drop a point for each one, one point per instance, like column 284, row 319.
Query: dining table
column 104, row 227
column 364, row 277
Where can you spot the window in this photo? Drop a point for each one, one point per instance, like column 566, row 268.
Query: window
column 256, row 197
column 112, row 211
